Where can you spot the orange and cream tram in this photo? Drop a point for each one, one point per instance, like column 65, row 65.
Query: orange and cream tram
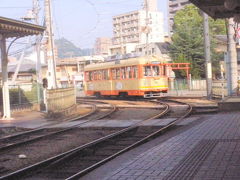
column 141, row 76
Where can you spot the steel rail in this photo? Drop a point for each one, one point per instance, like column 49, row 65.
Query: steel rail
column 61, row 157
column 12, row 145
column 160, row 131
column 93, row 109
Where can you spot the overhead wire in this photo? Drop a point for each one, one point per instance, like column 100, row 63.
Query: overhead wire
column 55, row 21
column 108, row 19
column 98, row 18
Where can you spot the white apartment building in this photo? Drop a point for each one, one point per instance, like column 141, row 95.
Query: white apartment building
column 151, row 5
column 132, row 27
column 174, row 6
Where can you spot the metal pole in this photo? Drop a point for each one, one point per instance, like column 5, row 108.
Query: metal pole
column 233, row 74
column 147, row 21
column 36, row 9
column 52, row 83
column 208, row 64
column 5, row 90
column 37, row 47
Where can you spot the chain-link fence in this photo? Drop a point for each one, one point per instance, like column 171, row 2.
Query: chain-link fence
column 24, row 95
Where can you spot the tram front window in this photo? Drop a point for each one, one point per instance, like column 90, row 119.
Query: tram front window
column 155, row 70
column 147, row 71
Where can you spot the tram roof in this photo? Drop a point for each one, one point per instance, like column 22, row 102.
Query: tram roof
column 14, row 28
column 215, row 8
column 123, row 62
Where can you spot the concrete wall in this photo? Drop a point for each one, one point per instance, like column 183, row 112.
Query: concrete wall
column 59, row 100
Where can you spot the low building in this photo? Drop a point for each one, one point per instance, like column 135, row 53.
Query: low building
column 126, row 48
column 159, row 50
column 26, row 73
column 102, row 45
column 70, row 71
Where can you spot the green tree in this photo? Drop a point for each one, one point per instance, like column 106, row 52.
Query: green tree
column 188, row 41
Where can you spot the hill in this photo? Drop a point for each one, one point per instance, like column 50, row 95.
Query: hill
column 67, row 49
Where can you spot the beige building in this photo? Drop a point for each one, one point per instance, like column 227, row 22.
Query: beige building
column 174, row 6
column 70, row 71
column 102, row 45
column 125, row 48
column 159, row 50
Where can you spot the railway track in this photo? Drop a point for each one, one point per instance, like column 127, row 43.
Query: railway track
column 46, row 132
column 81, row 160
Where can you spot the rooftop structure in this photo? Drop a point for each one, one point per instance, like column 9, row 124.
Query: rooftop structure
column 10, row 28
column 219, row 8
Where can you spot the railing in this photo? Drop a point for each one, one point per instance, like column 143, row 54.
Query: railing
column 24, row 96
column 60, row 99
column 184, row 84
column 219, row 88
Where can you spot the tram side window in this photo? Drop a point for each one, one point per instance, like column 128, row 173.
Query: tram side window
column 155, row 70
column 113, row 74
column 118, row 73
column 123, row 73
column 105, row 74
column 129, row 72
column 147, row 71
column 99, row 75
column 164, row 70
column 90, row 76
column 135, row 72
column 86, row 76
column 94, row 75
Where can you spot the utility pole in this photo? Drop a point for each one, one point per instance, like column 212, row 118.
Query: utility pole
column 147, row 22
column 36, row 9
column 5, row 90
column 51, row 74
column 232, row 60
column 208, row 64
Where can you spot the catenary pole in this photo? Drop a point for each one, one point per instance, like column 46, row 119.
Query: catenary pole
column 147, row 28
column 232, row 60
column 208, row 63
column 36, row 9
column 52, row 83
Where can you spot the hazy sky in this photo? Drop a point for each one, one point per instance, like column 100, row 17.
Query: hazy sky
column 80, row 21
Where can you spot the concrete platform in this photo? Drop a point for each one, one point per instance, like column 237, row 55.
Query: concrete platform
column 27, row 119
column 204, row 149
column 186, row 93
column 229, row 104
